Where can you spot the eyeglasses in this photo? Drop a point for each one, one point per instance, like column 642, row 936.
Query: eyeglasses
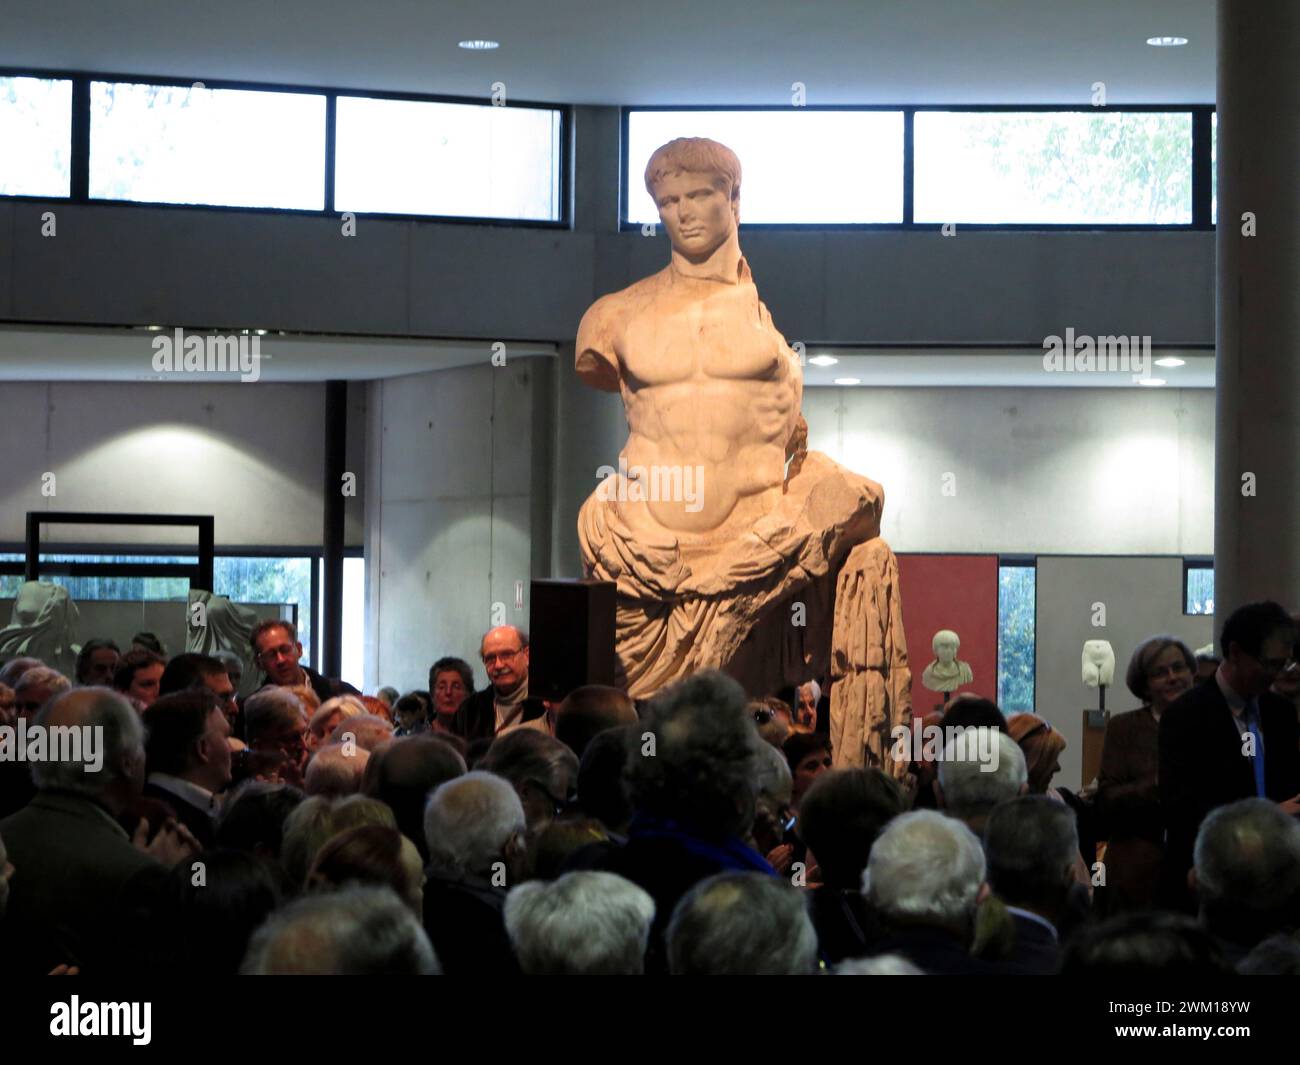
column 501, row 656
column 1174, row 670
column 285, row 650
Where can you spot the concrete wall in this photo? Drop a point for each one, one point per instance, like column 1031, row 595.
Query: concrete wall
column 450, row 527
column 1142, row 597
column 1106, row 472
column 249, row 454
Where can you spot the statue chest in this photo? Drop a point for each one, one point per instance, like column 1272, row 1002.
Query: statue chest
column 684, row 333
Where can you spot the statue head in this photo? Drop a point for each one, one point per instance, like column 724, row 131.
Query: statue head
column 695, row 183
column 945, row 644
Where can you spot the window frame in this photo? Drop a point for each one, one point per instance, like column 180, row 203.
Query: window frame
column 1201, row 168
column 80, row 157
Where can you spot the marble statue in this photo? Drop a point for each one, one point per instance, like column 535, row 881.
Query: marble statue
column 222, row 626
column 946, row 673
column 1098, row 664
column 44, row 626
column 731, row 545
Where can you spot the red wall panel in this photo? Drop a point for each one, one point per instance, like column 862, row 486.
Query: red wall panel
column 958, row 592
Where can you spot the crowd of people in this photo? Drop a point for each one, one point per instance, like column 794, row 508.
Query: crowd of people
column 307, row 828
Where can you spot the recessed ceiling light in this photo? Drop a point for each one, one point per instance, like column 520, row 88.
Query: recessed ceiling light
column 1152, row 382
column 848, row 381
column 154, row 328
column 1166, row 42
column 1170, row 360
column 479, row 46
column 823, row 360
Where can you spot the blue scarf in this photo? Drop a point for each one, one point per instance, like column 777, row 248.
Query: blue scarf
column 729, row 852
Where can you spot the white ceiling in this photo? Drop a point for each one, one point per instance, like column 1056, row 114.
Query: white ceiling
column 41, row 353
column 661, row 52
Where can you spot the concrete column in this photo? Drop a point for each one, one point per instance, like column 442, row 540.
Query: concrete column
column 1257, row 432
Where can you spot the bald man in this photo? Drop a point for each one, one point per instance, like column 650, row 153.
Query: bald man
column 504, row 704
column 81, row 884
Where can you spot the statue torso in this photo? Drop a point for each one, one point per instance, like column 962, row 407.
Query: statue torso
column 708, row 383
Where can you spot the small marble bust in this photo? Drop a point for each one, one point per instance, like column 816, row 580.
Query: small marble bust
column 946, row 673
column 1098, row 664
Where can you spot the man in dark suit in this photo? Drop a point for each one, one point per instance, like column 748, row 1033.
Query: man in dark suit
column 1032, row 846
column 188, row 757
column 80, row 884
column 1228, row 739
column 504, row 703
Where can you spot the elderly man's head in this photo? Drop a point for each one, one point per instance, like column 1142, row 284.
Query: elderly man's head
column 274, row 722
column 693, row 758
column 583, row 924
column 336, row 770
column 36, row 687
column 542, row 769
column 1031, row 844
column 980, row 768
column 742, row 924
column 504, row 651
column 474, row 827
column 356, row 931
column 109, row 766
column 926, row 869
column 1247, row 871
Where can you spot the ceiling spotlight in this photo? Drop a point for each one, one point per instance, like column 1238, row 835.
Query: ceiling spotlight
column 823, row 360
column 1166, row 42
column 1152, row 382
column 154, row 328
column 1170, row 360
column 482, row 46
column 848, row 381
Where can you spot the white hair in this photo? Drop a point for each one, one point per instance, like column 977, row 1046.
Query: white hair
column 347, row 705
column 741, row 924
column 121, row 732
column 772, row 773
column 880, row 965
column 925, row 868
column 970, row 788
column 469, row 820
column 583, row 924
column 367, row 730
column 336, row 770
column 268, row 707
column 355, row 931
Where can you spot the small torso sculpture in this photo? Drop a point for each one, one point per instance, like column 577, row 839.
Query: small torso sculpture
column 1098, row 664
column 724, row 536
column 946, row 673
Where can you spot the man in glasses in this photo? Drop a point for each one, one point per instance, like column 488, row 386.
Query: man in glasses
column 277, row 651
column 504, row 704
column 1230, row 738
